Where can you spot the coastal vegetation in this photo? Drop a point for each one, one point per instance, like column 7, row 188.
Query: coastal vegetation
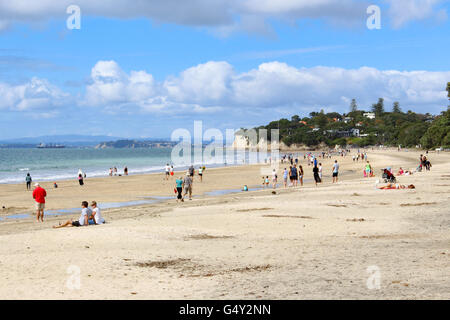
column 364, row 128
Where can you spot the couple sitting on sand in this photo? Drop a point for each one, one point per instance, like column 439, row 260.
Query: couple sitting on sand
column 88, row 216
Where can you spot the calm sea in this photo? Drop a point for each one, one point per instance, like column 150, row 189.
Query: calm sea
column 58, row 164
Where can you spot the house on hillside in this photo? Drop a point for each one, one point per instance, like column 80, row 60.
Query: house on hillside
column 347, row 133
column 347, row 119
column 369, row 115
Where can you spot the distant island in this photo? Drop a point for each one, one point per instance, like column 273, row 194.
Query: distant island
column 135, row 144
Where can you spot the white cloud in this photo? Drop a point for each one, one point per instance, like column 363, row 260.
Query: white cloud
column 403, row 11
column 224, row 16
column 204, row 83
column 216, row 86
column 37, row 95
column 110, row 85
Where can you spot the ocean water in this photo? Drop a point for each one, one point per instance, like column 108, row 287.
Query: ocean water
column 62, row 164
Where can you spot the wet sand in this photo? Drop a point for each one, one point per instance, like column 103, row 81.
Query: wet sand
column 300, row 243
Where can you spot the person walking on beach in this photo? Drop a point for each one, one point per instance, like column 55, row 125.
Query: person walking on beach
column 274, row 179
column 335, row 171
column 125, row 171
column 200, row 173
column 187, row 183
column 167, row 171
column 285, row 177
column 191, row 172
column 80, row 179
column 320, row 172
column 179, row 188
column 294, row 175
column 300, row 175
column 39, row 195
column 28, row 180
column 368, row 170
column 316, row 175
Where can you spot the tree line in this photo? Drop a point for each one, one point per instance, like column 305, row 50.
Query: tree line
column 393, row 128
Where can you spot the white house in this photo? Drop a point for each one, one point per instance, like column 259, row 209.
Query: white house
column 369, row 115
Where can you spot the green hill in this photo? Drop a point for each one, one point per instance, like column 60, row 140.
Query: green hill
column 362, row 128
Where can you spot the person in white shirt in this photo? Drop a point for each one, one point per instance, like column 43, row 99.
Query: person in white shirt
column 335, row 171
column 96, row 214
column 167, row 172
column 274, row 179
column 82, row 221
column 320, row 172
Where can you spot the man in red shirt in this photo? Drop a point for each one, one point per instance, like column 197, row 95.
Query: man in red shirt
column 39, row 195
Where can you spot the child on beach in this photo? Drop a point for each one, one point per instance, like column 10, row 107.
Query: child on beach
column 274, row 179
column 167, row 171
column 266, row 181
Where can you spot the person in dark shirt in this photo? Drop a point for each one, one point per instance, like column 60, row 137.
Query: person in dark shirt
column 316, row 175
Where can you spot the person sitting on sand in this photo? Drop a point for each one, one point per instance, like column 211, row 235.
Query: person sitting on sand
column 245, row 188
column 82, row 221
column 400, row 171
column 96, row 214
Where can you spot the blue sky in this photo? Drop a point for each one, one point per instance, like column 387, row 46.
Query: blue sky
column 143, row 72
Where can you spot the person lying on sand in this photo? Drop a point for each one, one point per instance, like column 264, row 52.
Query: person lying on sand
column 396, row 186
column 86, row 213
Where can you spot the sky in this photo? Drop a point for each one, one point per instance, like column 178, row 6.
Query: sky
column 145, row 68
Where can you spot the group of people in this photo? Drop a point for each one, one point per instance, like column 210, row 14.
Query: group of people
column 114, row 172
column 294, row 175
column 169, row 171
column 89, row 216
column 360, row 155
column 424, row 163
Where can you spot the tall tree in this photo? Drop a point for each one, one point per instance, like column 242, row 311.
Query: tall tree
column 448, row 90
column 396, row 107
column 353, row 106
column 378, row 108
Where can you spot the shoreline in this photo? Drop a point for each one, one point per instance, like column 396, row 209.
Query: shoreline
column 165, row 195
column 249, row 245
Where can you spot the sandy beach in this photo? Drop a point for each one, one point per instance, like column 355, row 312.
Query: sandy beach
column 300, row 243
